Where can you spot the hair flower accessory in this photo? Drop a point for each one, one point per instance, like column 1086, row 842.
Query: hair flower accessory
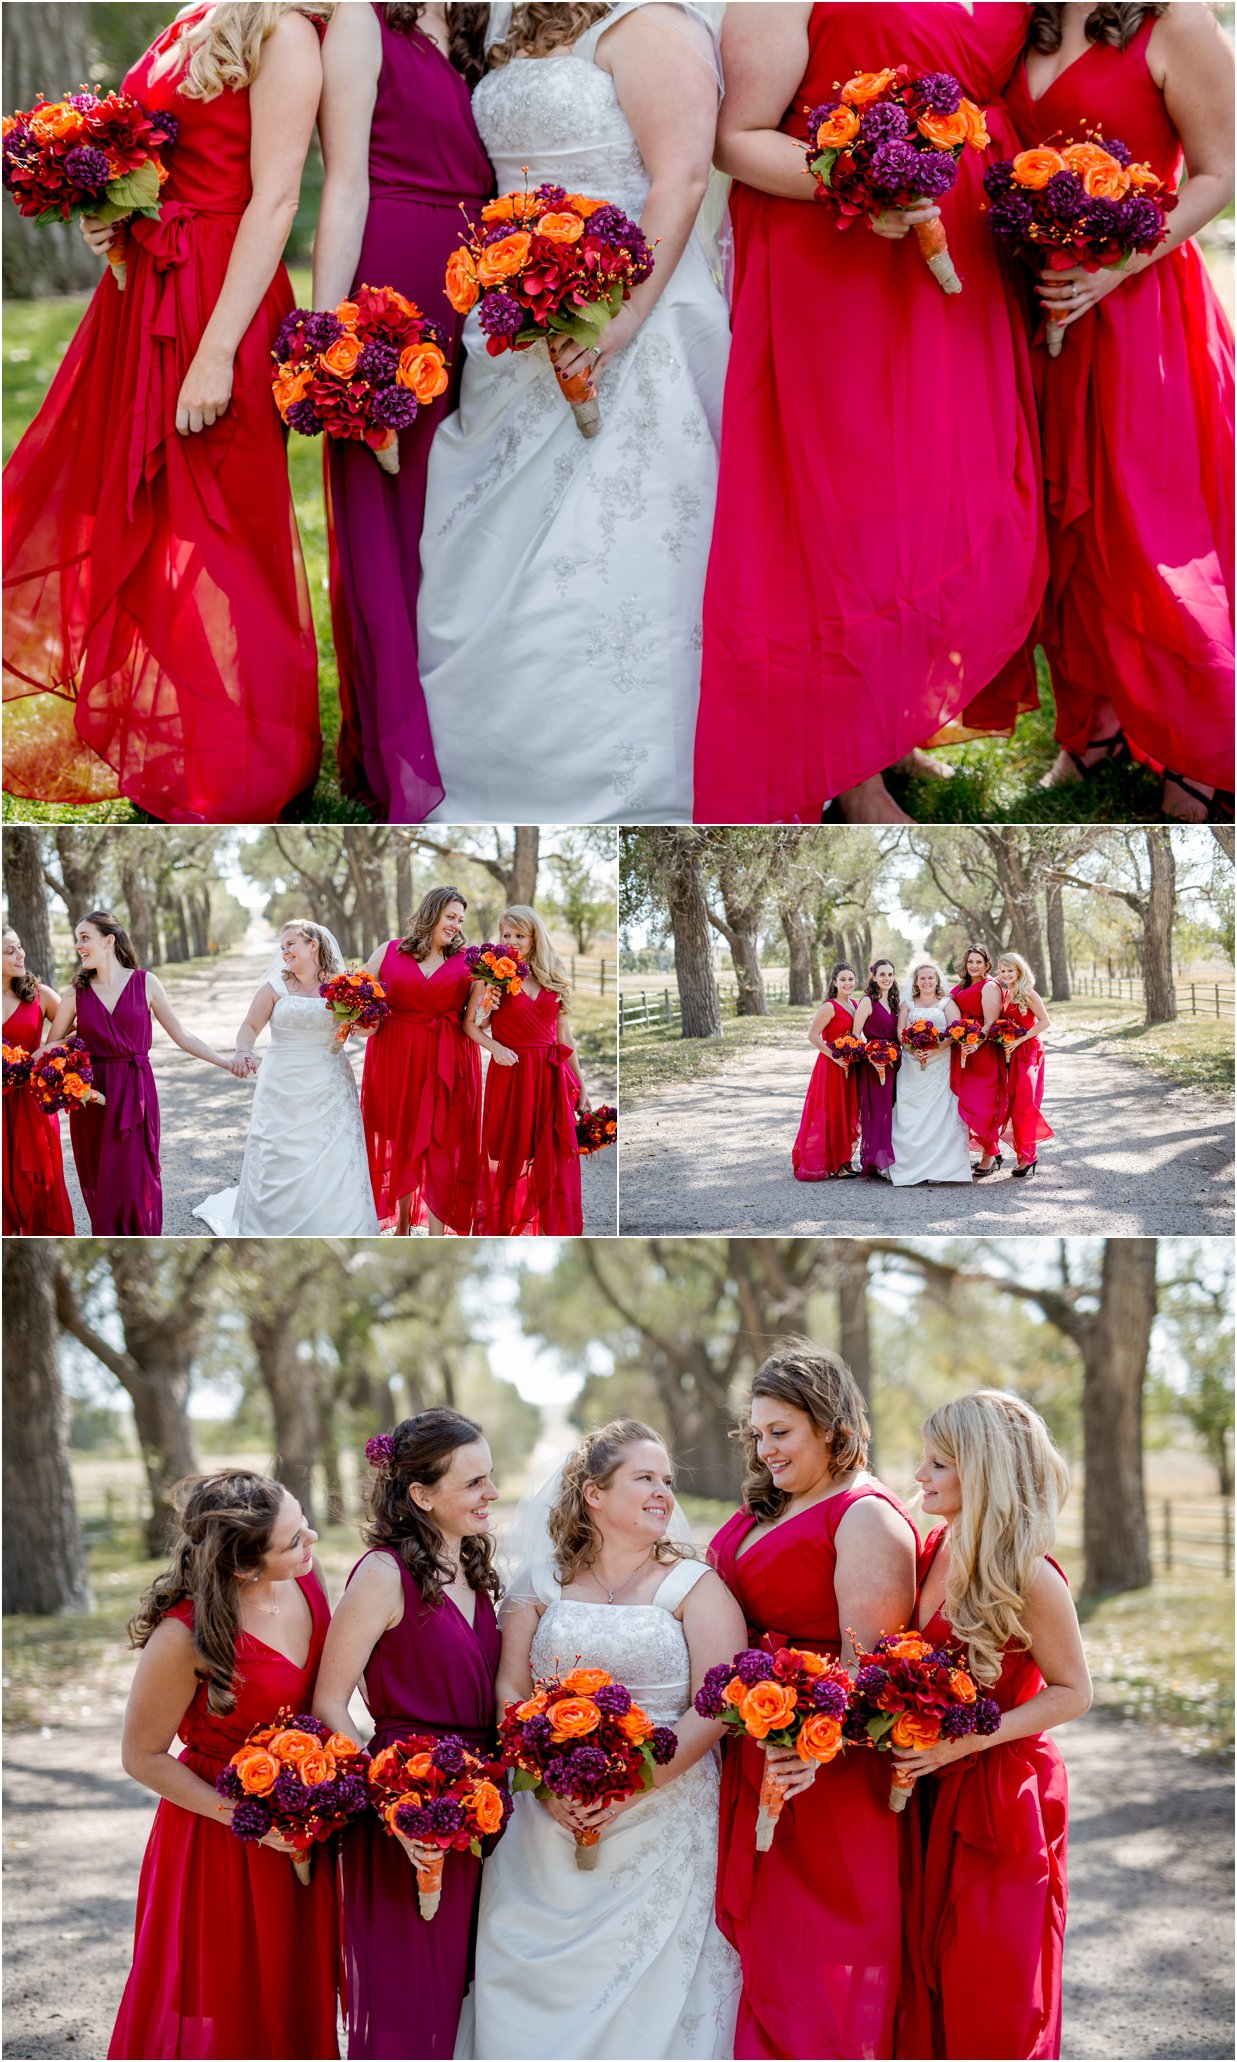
column 380, row 1452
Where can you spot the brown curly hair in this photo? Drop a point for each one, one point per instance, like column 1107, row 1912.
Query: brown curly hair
column 226, row 1521
column 111, row 927
column 595, row 1460
column 466, row 31
column 536, row 31
column 810, row 1379
column 25, row 987
column 420, row 935
column 1109, row 23
column 421, row 1452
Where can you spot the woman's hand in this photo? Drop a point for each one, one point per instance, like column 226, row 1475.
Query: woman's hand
column 926, row 1761
column 205, row 394
column 1067, row 295
column 584, row 1102
column 792, row 1773
column 571, row 357
column 421, row 1853
column 563, row 1810
column 243, row 1064
column 895, row 223
column 99, row 235
column 503, row 1054
column 278, row 1845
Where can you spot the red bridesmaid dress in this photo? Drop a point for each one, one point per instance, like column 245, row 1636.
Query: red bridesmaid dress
column 1138, row 463
column 36, row 1201
column 878, row 556
column 421, row 1094
column 986, row 1888
column 979, row 1085
column 158, row 641
column 829, row 1126
column 1024, row 1123
column 530, row 1161
column 231, row 1954
column 817, row 1920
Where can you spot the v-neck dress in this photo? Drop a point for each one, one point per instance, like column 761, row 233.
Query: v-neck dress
column 530, row 1159
column 36, row 1201
column 407, row 1976
column 116, row 1142
column 829, row 1126
column 421, row 1093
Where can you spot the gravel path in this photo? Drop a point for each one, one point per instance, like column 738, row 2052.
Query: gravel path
column 205, row 1112
column 1131, row 1155
column 1148, row 1953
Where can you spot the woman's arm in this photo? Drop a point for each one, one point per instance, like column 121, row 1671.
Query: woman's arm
column 952, row 1013
column 372, row 1604
column 1056, row 1648
column 163, row 1013
column 351, row 63
column 259, row 1016
column 476, row 1017
column 904, row 1016
column 164, row 1683
column 283, row 102
column 515, row 1684
column 373, row 965
column 863, row 1011
column 816, row 1031
column 991, row 1001
column 1042, row 1021
column 764, row 56
column 716, row 1631
column 567, row 1037
column 49, row 1002
column 64, row 1019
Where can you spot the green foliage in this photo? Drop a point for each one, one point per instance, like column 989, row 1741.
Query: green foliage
column 1165, row 1656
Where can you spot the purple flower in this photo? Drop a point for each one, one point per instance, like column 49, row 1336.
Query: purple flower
column 854, row 1726
column 321, row 329
column 894, row 166
column 377, row 363
column 251, row 1819
column 612, row 1697
column 229, row 1784
column 166, row 128
column 446, row 1814
column 286, row 335
column 448, row 1755
column 821, row 114
column 999, row 179
column 305, row 1722
column 1102, row 221
column 19, row 152
column 942, row 1658
column 935, row 173
column 1065, row 197
column 351, row 1796
column 1116, row 149
column 1140, row 219
column 1011, row 216
column 379, row 1451
column 291, row 1794
column 537, row 1733
column 304, row 418
column 83, row 102
column 87, row 168
column 611, row 224
column 392, row 408
column 987, row 1715
column 586, row 1765
column 550, row 199
column 829, row 1696
column 501, row 315
column 755, row 1666
column 871, row 1680
column 957, row 1720
column 941, row 92
column 414, row 1820
column 663, row 1745
column 887, row 119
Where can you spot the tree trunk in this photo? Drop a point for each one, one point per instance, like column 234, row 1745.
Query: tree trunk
column 699, row 1003
column 522, row 878
column 1017, row 869
column 79, row 863
column 855, row 1337
column 1157, row 934
column 46, row 51
column 799, row 945
column 710, row 1458
column 44, row 1559
column 745, row 956
column 139, row 901
column 403, row 888
column 198, row 904
column 1058, row 958
column 1115, row 1348
column 26, row 891
column 293, row 1402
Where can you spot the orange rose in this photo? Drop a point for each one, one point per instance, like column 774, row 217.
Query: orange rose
column 487, row 1808
column 461, row 281
column 976, row 125
column 342, row 355
column 766, row 1706
column 314, row 1768
column 948, row 132
column 561, row 228
column 572, row 1717
column 819, row 1738
column 1034, row 168
column 292, row 1745
column 583, row 205
column 423, row 369
column 911, row 1647
column 7, row 124
column 341, row 1746
column 734, row 1691
column 506, row 966
column 257, row 1773
column 838, row 129
column 55, row 119
column 1144, row 180
column 635, row 1725
column 1106, row 182
column 386, row 1766
column 418, row 1767
column 916, row 1729
column 585, row 1682
column 867, row 86
column 1079, row 157
column 348, row 313
column 961, row 1685
column 810, row 1663
column 503, row 259
column 532, row 1707
column 512, row 207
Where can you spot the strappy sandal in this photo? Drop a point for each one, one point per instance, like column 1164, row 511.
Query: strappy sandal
column 1116, row 750
column 1028, row 1167
column 1218, row 805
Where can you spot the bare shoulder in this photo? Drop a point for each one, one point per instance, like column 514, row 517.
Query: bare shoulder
column 871, row 1518
column 293, row 49
column 49, row 1000
column 1187, row 35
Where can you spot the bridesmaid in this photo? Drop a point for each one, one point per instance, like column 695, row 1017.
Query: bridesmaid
column 231, row 1955
column 421, row 1090
column 401, row 153
column 530, row 1161
column 1138, row 410
column 36, row 1201
column 986, row 1913
column 829, row 1125
column 822, row 667
column 116, row 1142
column 158, row 635
column 819, row 1548
column 980, row 1084
column 1024, row 1125
column 417, row 1623
column 876, row 1016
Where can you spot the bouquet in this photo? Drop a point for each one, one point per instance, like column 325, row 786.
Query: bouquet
column 596, row 1131
column 967, row 1035
column 503, row 970
column 297, row 1778
column 356, row 999
column 62, row 1076
column 359, row 372
column 846, row 1047
column 1004, row 1032
column 908, row 1693
column 63, row 159
column 549, row 264
column 1085, row 204
column 882, row 1053
column 922, row 1038
column 794, row 1698
column 436, row 1790
column 890, row 139
column 583, row 1736
column 16, row 1066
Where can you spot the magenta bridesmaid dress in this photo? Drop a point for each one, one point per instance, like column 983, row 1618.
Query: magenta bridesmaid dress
column 425, row 158
column 116, row 1142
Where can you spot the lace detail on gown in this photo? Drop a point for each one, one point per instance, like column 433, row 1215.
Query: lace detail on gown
column 930, row 1138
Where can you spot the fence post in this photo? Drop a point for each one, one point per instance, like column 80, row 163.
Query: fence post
column 109, row 1519
column 1217, row 998
column 1193, row 1011
column 1168, row 1537
column 603, row 977
column 1227, row 1519
column 665, row 1004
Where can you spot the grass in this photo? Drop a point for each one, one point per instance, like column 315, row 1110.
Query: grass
column 653, row 1060
column 1164, row 1656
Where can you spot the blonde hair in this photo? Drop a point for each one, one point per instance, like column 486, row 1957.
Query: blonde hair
column 537, row 30
column 224, row 49
column 925, row 966
column 812, row 1380
column 1024, row 987
column 596, row 1459
column 547, row 969
column 1012, row 1482
column 329, row 962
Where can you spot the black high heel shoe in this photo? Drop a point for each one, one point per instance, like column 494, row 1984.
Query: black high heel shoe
column 1029, row 1168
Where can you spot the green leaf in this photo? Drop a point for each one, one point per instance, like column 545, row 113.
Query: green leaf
column 48, row 215
column 583, row 325
column 823, row 166
column 474, row 1847
column 525, row 1780
column 879, row 1728
column 136, row 189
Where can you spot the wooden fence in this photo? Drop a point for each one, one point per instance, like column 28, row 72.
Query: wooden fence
column 1194, row 998
column 648, row 1009
column 1195, row 1535
column 593, row 976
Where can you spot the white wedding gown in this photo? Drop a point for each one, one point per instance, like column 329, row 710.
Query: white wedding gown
column 559, row 625
column 305, row 1172
column 930, row 1139
column 624, row 1959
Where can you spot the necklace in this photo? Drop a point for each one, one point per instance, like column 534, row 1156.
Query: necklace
column 611, row 1594
column 267, row 1610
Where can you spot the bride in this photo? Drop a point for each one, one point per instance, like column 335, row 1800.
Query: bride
column 626, row 1959
column 563, row 580
column 304, row 1172
column 930, row 1139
